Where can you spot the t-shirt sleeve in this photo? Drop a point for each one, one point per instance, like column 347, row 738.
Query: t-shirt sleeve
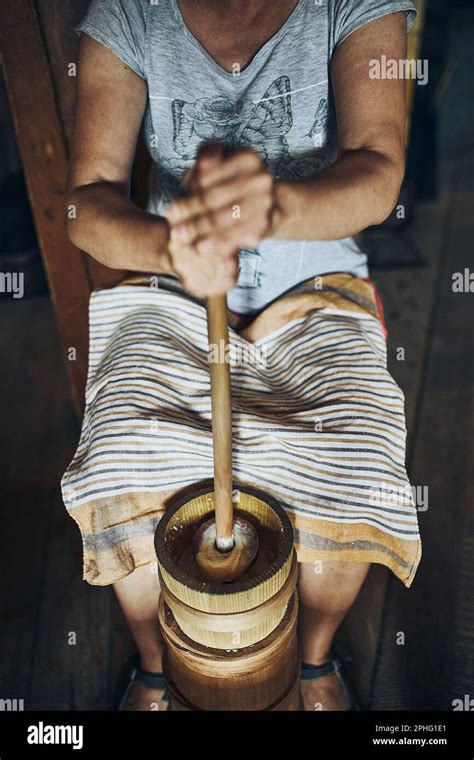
column 348, row 16
column 119, row 25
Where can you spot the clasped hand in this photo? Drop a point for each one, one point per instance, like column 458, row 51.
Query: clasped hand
column 230, row 204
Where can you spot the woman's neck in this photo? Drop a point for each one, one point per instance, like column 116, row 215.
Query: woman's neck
column 232, row 31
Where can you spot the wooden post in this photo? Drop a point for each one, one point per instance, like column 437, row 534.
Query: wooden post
column 42, row 148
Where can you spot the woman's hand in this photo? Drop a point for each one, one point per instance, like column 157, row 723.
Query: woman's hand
column 230, row 205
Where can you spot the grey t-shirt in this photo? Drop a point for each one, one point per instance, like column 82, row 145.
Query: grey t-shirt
column 281, row 105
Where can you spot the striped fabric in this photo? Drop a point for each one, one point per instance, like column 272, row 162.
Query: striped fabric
column 318, row 423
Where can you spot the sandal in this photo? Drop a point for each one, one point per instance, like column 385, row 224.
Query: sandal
column 333, row 665
column 150, row 680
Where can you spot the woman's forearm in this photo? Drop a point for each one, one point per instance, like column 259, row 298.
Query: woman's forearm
column 102, row 221
column 360, row 189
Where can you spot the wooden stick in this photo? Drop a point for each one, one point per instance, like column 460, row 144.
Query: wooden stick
column 221, row 419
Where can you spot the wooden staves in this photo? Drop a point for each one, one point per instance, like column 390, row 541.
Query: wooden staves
column 236, row 630
column 264, row 676
column 180, row 574
column 230, row 646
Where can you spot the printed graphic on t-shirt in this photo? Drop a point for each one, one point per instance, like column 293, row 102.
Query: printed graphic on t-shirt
column 262, row 125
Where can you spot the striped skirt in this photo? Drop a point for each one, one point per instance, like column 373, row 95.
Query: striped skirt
column 318, row 422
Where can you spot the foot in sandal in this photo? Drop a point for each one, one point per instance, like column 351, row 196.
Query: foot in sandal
column 324, row 687
column 145, row 691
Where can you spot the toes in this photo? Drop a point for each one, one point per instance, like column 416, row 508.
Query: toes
column 145, row 700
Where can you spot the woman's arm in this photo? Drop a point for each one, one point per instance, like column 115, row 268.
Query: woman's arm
column 111, row 101
column 361, row 188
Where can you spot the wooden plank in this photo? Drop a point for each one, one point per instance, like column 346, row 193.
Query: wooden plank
column 408, row 296
column 122, row 646
column 58, row 20
column 38, row 82
column 42, row 596
column 39, row 431
column 70, row 668
column 413, row 53
column 436, row 663
column 42, row 148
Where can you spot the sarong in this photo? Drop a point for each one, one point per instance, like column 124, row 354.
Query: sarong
column 317, row 422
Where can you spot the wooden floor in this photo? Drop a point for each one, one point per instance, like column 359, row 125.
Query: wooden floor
column 59, row 638
column 437, row 616
column 436, row 663
column 62, row 641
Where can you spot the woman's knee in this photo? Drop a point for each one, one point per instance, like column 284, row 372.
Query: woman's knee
column 334, row 582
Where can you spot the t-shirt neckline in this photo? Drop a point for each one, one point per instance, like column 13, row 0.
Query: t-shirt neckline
column 271, row 42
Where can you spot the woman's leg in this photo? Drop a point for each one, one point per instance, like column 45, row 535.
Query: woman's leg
column 138, row 597
column 325, row 598
column 326, row 591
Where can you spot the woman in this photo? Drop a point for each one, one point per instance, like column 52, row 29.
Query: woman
column 252, row 194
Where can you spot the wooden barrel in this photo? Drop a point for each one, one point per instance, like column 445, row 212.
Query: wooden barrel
column 227, row 615
column 233, row 645
column 264, row 676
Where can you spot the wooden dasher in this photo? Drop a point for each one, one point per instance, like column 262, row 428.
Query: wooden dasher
column 229, row 645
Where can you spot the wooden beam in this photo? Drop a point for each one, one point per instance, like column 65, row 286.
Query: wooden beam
column 42, row 146
column 58, row 20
